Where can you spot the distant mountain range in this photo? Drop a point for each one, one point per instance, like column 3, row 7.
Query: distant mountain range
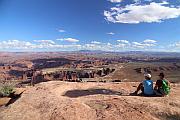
column 144, row 53
column 123, row 53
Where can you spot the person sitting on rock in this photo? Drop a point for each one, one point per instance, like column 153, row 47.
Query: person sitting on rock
column 146, row 86
column 162, row 87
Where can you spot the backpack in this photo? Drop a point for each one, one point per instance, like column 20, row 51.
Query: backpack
column 165, row 87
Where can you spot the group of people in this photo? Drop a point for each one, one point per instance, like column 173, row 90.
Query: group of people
column 162, row 86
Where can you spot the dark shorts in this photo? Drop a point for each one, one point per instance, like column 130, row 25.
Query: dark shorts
column 159, row 92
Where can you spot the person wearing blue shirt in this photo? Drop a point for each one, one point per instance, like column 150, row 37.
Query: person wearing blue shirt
column 146, row 86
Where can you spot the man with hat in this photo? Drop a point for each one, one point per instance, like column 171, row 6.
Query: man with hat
column 146, row 86
column 162, row 86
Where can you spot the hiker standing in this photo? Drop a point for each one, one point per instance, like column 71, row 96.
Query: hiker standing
column 146, row 86
column 162, row 87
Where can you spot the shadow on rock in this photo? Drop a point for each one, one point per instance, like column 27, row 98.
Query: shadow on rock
column 166, row 116
column 80, row 93
column 13, row 97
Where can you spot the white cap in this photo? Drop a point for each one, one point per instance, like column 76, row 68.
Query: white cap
column 147, row 75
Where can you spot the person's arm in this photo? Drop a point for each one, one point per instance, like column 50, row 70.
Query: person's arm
column 156, row 85
column 169, row 84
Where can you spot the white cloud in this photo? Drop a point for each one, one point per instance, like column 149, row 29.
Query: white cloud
column 135, row 13
column 142, row 44
column 61, row 30
column 16, row 44
column 149, row 0
column 72, row 46
column 94, row 45
column 100, row 46
column 149, row 41
column 139, row 1
column 121, row 45
column 115, row 1
column 47, row 44
column 40, row 44
column 68, row 39
column 45, row 41
column 110, row 33
column 136, row 45
column 123, row 41
column 109, row 44
column 176, row 45
column 95, row 42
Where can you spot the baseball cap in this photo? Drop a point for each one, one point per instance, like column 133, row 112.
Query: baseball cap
column 147, row 75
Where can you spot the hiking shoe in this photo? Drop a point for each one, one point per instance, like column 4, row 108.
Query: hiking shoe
column 134, row 93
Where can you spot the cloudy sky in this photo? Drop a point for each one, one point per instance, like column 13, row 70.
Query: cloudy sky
column 109, row 25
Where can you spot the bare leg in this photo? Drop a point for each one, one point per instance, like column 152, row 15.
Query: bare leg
column 140, row 87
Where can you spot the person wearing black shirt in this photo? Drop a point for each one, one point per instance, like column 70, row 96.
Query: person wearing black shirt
column 159, row 84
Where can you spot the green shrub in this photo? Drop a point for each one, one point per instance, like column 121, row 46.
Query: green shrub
column 6, row 90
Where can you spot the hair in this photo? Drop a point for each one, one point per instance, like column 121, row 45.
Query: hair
column 162, row 75
column 148, row 78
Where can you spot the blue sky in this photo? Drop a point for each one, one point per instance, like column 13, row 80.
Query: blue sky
column 109, row 25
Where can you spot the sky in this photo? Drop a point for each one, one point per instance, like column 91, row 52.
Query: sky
column 72, row 25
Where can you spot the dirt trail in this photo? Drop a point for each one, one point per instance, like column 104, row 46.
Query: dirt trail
column 91, row 101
